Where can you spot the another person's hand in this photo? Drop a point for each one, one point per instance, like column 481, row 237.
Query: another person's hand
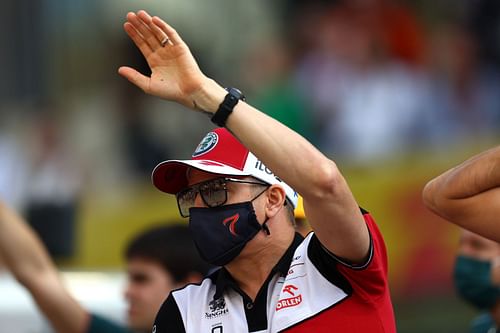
column 175, row 75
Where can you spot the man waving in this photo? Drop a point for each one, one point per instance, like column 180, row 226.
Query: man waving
column 238, row 191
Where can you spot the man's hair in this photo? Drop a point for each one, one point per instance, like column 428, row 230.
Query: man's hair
column 172, row 247
column 290, row 212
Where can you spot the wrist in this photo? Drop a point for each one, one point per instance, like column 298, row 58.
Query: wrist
column 208, row 97
column 225, row 109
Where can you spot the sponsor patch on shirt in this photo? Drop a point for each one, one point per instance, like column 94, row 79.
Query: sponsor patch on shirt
column 294, row 299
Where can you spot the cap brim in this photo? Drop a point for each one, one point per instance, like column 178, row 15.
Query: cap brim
column 171, row 176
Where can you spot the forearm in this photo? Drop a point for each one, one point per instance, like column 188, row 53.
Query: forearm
column 63, row 312
column 281, row 149
column 468, row 194
column 26, row 257
column 478, row 174
column 22, row 252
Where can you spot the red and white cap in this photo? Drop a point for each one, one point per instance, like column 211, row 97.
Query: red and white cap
column 221, row 153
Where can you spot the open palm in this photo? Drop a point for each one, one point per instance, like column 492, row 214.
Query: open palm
column 175, row 75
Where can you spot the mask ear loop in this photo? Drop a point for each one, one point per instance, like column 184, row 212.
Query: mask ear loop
column 265, row 227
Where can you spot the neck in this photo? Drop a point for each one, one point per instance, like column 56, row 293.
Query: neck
column 251, row 270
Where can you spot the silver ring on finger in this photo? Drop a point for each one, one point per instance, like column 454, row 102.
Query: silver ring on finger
column 164, row 41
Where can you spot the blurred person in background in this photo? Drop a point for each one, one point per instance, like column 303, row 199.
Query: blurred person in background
column 349, row 74
column 158, row 260
column 268, row 71
column 463, row 99
column 241, row 214
column 477, row 279
column 469, row 194
column 55, row 179
column 14, row 164
column 141, row 147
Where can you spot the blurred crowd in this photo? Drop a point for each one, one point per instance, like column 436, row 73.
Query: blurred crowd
column 370, row 79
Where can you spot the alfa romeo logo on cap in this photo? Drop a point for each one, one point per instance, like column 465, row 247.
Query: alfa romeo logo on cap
column 206, row 144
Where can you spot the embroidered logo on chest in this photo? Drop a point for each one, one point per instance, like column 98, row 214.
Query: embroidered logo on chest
column 217, row 308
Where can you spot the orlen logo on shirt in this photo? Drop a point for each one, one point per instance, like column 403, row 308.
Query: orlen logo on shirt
column 294, row 299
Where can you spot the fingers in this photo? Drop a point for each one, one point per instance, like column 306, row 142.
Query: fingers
column 135, row 77
column 150, row 33
column 144, row 30
column 157, row 32
column 168, row 30
column 138, row 39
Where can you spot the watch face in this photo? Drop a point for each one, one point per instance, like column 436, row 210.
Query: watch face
column 236, row 93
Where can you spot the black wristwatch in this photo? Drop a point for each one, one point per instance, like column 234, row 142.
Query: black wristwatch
column 226, row 107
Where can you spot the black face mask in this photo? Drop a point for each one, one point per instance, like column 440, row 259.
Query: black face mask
column 221, row 233
column 473, row 282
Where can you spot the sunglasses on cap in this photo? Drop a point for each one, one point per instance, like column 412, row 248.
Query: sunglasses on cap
column 213, row 192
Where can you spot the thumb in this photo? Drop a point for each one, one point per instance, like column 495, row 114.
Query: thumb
column 140, row 80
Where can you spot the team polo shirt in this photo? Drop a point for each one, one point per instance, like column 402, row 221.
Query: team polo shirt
column 309, row 290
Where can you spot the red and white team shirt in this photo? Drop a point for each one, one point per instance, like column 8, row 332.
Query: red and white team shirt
column 309, row 290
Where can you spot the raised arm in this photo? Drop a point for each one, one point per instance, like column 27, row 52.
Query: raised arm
column 329, row 204
column 28, row 260
column 469, row 194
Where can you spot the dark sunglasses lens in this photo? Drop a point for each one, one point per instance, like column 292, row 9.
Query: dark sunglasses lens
column 214, row 193
column 185, row 200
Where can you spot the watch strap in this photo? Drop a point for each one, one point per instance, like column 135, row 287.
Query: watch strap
column 226, row 107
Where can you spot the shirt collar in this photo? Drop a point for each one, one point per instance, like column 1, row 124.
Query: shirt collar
column 223, row 280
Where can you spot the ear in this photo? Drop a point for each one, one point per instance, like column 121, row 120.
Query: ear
column 275, row 200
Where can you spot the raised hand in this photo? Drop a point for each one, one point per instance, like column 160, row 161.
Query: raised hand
column 175, row 75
